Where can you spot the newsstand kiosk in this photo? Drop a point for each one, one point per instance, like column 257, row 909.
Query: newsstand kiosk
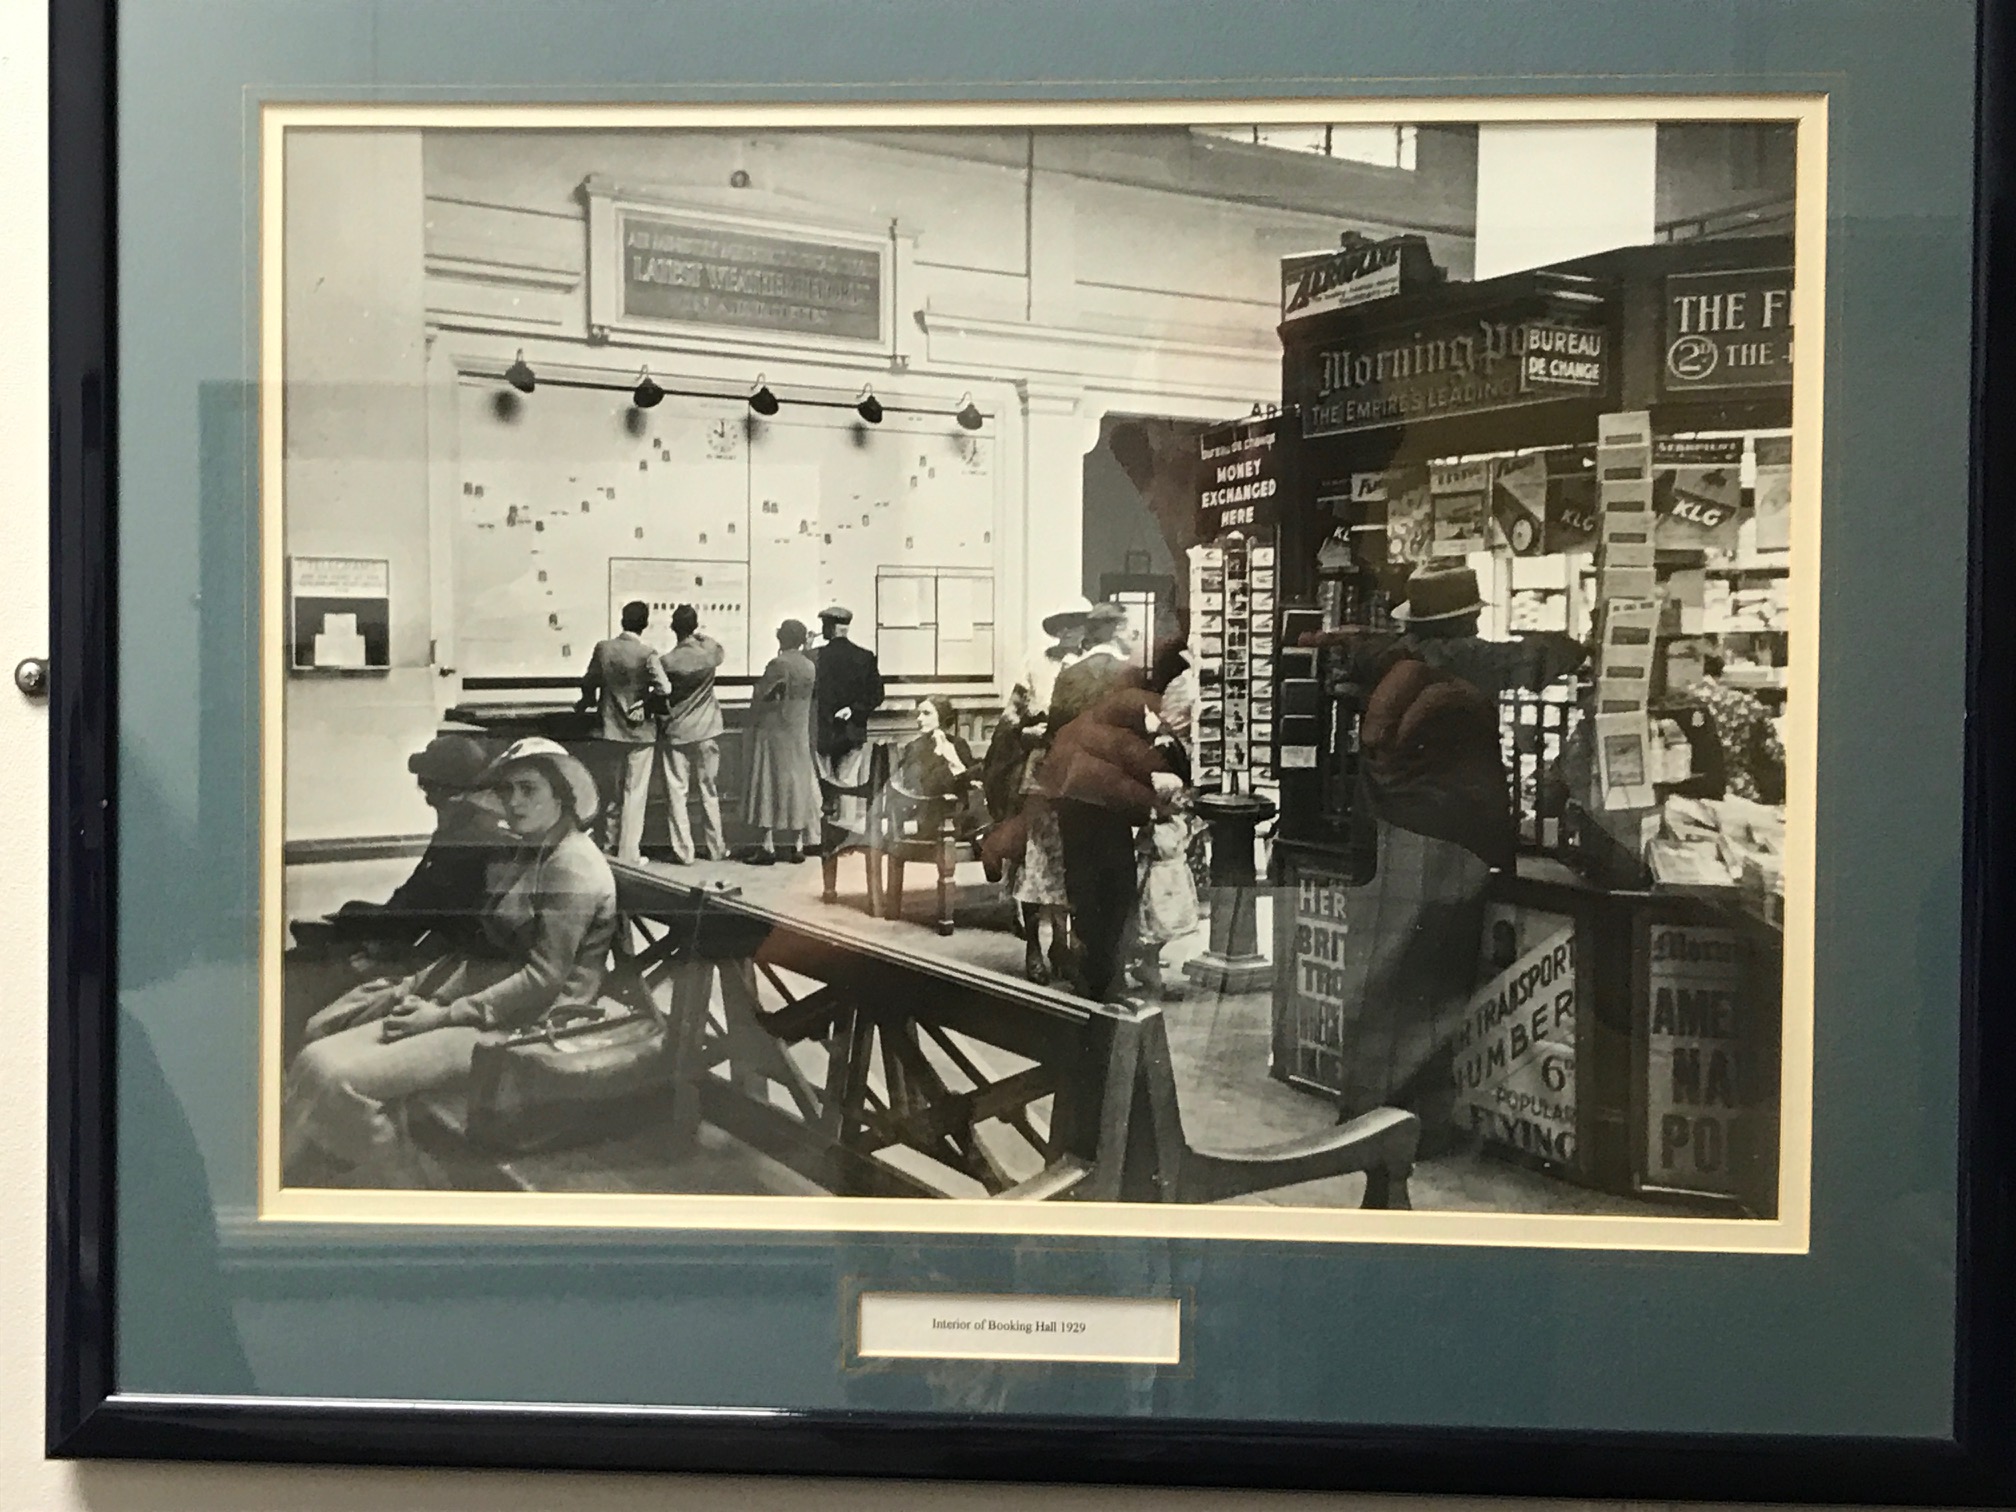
column 1606, row 442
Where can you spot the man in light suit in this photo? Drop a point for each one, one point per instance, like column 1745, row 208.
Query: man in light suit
column 622, row 678
column 689, row 743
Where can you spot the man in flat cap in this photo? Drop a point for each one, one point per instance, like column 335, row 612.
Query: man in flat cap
column 846, row 689
column 450, row 885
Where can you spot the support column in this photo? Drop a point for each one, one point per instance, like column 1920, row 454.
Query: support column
column 1057, row 433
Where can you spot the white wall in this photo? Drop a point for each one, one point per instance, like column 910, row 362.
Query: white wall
column 1711, row 168
column 356, row 468
column 1082, row 276
column 1549, row 192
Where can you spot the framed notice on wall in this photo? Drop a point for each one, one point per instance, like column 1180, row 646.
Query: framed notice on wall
column 339, row 614
column 1505, row 1101
column 758, row 273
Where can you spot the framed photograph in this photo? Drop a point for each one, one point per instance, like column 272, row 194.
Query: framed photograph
column 1005, row 749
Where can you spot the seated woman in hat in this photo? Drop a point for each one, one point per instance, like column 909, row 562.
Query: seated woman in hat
column 545, row 936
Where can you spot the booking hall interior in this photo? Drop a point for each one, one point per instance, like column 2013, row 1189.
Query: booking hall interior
column 1243, row 382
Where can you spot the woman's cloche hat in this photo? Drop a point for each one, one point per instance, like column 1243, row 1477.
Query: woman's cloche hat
column 583, row 800
column 1070, row 617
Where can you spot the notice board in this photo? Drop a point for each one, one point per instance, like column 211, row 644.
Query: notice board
column 572, row 502
column 339, row 614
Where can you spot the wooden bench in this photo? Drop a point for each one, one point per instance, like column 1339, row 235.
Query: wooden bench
column 914, row 1057
column 1142, row 1153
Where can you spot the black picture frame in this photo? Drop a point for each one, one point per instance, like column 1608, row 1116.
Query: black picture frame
column 89, row 1416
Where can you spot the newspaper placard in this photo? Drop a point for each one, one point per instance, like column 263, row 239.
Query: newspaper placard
column 1773, row 499
column 1459, row 490
column 1700, row 1065
column 1519, row 503
column 1515, row 1053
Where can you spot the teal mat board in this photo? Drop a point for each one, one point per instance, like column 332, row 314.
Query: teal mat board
column 1473, row 1337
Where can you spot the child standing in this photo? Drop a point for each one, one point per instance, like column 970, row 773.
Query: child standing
column 1168, row 908
column 1168, row 892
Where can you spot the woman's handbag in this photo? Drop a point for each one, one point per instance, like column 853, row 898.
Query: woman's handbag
column 580, row 1073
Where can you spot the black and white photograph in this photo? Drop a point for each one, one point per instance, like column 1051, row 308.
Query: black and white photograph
column 1023, row 669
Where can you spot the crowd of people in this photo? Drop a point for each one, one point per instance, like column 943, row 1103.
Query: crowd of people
column 1098, row 892
column 1080, row 807
column 808, row 735
column 1086, row 779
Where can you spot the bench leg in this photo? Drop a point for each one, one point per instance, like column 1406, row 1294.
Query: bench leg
column 1386, row 1188
column 692, row 1000
column 1386, row 1181
column 829, row 875
column 892, row 899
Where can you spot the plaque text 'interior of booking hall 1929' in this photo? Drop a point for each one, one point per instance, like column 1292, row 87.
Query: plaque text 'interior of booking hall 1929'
column 1062, row 1330
column 705, row 275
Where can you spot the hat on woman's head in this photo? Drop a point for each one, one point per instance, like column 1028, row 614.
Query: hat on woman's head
column 1104, row 619
column 1070, row 617
column 1439, row 590
column 567, row 771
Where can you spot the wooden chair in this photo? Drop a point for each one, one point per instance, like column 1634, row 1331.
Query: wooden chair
column 948, row 831
column 831, row 847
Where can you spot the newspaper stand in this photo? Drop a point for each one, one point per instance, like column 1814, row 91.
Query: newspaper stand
column 1659, row 1075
